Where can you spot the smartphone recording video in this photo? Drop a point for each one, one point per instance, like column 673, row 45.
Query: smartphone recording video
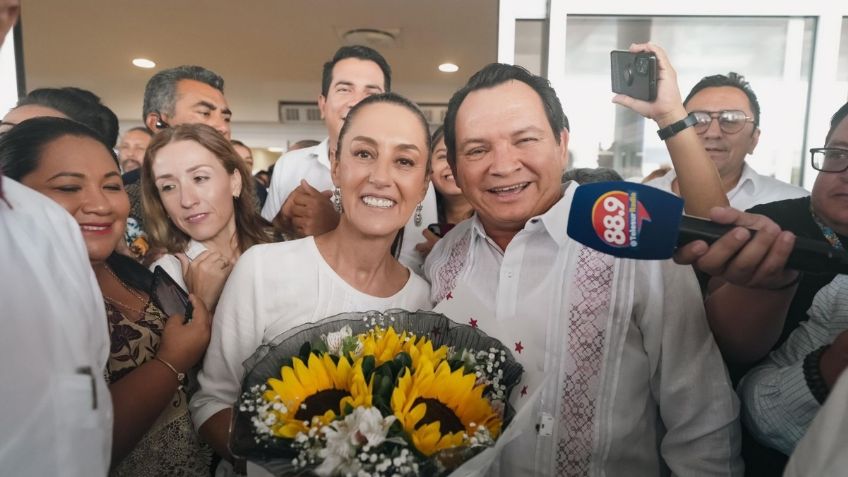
column 634, row 74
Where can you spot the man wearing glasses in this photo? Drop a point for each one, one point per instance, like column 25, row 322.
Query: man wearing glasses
column 756, row 305
column 727, row 119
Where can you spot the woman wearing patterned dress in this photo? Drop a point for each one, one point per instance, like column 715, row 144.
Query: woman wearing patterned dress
column 150, row 353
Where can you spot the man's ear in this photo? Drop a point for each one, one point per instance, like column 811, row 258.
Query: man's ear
column 755, row 139
column 150, row 121
column 322, row 103
column 563, row 144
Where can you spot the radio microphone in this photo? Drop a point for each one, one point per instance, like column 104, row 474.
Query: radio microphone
column 632, row 220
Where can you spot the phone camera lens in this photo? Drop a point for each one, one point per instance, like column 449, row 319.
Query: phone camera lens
column 642, row 66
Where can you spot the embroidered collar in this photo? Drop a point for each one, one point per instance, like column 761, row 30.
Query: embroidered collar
column 554, row 220
column 828, row 232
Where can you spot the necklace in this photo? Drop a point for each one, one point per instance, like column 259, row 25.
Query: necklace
column 139, row 311
column 828, row 232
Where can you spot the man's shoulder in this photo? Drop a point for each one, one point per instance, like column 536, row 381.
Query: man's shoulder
column 447, row 246
column 303, row 157
column 776, row 189
column 789, row 214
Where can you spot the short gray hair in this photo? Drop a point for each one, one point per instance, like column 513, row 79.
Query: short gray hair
column 160, row 94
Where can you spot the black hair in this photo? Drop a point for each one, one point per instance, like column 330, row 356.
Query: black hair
column 390, row 98
column 587, row 175
column 441, row 217
column 21, row 147
column 78, row 104
column 361, row 53
column 734, row 80
column 160, row 93
column 835, row 120
column 495, row 74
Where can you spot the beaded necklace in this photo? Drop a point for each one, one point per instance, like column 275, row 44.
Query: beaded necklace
column 828, row 232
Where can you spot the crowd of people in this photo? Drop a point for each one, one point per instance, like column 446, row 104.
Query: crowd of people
column 631, row 367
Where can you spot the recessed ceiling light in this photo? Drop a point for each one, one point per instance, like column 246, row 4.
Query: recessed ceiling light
column 143, row 63
column 275, row 149
column 448, row 68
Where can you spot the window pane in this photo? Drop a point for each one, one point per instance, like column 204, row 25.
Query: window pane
column 611, row 136
column 842, row 69
column 529, row 45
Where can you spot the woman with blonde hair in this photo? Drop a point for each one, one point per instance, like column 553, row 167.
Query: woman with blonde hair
column 199, row 205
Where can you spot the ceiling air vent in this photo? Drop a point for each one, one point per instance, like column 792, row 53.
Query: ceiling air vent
column 302, row 113
column 299, row 112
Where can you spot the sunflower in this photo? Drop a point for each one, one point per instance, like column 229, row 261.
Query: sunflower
column 320, row 389
column 440, row 408
column 385, row 344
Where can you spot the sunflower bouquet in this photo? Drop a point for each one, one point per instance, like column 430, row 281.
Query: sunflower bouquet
column 393, row 393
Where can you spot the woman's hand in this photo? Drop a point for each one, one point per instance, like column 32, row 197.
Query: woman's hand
column 206, row 275
column 183, row 344
column 668, row 107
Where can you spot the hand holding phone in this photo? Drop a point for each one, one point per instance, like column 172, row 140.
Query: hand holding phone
column 634, row 74
column 168, row 296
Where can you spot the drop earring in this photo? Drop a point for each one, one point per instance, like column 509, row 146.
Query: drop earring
column 417, row 220
column 337, row 200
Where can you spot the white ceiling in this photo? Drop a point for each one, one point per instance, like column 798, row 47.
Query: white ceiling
column 266, row 50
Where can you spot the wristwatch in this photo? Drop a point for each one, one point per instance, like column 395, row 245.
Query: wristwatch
column 676, row 127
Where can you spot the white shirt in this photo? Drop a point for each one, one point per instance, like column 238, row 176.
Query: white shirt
column 54, row 344
column 171, row 264
column 752, row 189
column 273, row 288
column 821, row 452
column 664, row 397
column 313, row 165
column 777, row 401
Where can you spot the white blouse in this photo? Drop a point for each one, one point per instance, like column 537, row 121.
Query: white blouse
column 273, row 288
column 171, row 264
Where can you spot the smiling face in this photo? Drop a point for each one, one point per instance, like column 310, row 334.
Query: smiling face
column 509, row 164
column 196, row 191
column 442, row 176
column 352, row 80
column 727, row 151
column 382, row 169
column 80, row 174
column 830, row 191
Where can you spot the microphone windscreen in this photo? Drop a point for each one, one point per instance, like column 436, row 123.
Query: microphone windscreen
column 625, row 219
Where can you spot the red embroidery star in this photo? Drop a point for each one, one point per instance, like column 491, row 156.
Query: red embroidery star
column 524, row 391
column 519, row 347
column 473, row 323
column 450, row 296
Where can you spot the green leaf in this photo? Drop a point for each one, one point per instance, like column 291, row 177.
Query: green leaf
column 304, row 351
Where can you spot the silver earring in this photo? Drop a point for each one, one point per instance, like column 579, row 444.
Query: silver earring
column 337, row 200
column 418, row 218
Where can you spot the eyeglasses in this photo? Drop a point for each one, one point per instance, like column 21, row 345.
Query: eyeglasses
column 829, row 159
column 730, row 121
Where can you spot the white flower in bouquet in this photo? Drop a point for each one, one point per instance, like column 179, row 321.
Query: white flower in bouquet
column 364, row 427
